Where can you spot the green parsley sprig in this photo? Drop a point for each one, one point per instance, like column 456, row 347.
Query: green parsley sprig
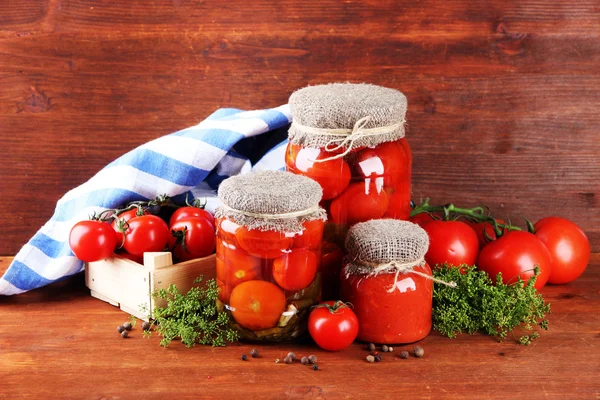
column 479, row 305
column 192, row 317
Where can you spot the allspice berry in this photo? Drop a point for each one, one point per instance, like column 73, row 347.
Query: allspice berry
column 120, row 328
column 254, row 353
column 304, row 360
column 127, row 325
column 124, row 334
column 292, row 355
column 371, row 347
column 288, row 360
column 418, row 352
column 384, row 348
column 146, row 326
column 312, row 359
column 404, row 355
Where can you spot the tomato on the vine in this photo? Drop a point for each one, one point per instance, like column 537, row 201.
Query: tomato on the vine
column 192, row 237
column 488, row 228
column 422, row 218
column 92, row 240
column 146, row 233
column 516, row 253
column 452, row 242
column 568, row 245
column 333, row 325
column 120, row 224
column 295, row 270
column 191, row 211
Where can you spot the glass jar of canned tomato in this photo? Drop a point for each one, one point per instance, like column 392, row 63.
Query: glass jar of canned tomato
column 269, row 234
column 350, row 139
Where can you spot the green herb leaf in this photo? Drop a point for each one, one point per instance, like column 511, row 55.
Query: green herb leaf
column 479, row 305
column 192, row 317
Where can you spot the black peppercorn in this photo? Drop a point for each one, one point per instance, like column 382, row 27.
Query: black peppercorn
column 404, row 355
column 418, row 351
column 127, row 325
column 312, row 359
column 254, row 353
column 288, row 360
column 304, row 360
column 292, row 355
column 146, row 326
column 384, row 348
column 315, row 367
column 120, row 328
column 124, row 334
column 378, row 358
column 371, row 347
column 244, row 357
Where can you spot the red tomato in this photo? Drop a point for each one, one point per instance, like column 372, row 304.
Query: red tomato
column 121, row 223
column 257, row 305
column 189, row 211
column 199, row 238
column 452, row 242
column 421, row 219
column 263, row 244
column 331, row 266
column 480, row 227
column 399, row 204
column 332, row 175
column 360, row 202
column 296, row 269
column 124, row 254
column 333, row 325
column 146, row 233
column 234, row 266
column 227, row 229
column 224, row 290
column 516, row 253
column 310, row 237
column 388, row 160
column 92, row 240
column 568, row 245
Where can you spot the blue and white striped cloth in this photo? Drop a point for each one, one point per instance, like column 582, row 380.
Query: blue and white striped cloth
column 192, row 161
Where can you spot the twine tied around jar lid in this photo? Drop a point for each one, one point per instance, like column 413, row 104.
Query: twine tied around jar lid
column 270, row 200
column 388, row 246
column 344, row 116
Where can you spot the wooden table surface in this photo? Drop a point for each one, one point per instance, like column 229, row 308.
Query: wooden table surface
column 59, row 342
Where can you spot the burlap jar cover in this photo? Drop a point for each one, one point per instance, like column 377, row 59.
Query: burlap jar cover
column 341, row 116
column 387, row 246
column 270, row 200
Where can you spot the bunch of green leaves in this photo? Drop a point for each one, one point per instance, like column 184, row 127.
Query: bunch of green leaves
column 479, row 305
column 192, row 317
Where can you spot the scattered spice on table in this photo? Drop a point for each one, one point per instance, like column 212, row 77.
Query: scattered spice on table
column 418, row 352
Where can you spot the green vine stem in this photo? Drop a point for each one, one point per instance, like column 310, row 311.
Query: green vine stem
column 475, row 214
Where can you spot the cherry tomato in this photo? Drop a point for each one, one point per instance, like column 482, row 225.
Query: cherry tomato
column 189, row 211
column 516, row 253
column 360, row 202
column 257, row 305
column 568, row 245
column 92, row 240
column 332, row 175
column 121, row 223
column 333, row 325
column 199, row 240
column 263, row 244
column 488, row 228
column 388, row 160
column 296, row 269
column 146, row 233
column 310, row 237
column 452, row 242
column 331, row 265
column 234, row 266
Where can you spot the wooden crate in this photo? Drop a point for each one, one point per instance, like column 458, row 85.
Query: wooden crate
column 128, row 285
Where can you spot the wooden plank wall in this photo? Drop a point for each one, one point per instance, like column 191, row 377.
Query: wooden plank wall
column 504, row 96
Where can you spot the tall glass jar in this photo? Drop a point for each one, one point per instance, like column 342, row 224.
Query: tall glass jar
column 269, row 232
column 350, row 139
column 388, row 282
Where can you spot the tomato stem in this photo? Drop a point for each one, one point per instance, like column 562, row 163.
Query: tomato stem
column 335, row 306
column 475, row 214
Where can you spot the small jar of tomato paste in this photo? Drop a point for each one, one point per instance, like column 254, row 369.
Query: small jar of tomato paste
column 388, row 281
column 350, row 139
column 269, row 233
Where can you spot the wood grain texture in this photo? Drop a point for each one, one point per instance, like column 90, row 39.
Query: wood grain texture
column 503, row 96
column 58, row 342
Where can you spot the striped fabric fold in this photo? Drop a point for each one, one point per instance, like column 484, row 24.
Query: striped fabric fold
column 190, row 162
